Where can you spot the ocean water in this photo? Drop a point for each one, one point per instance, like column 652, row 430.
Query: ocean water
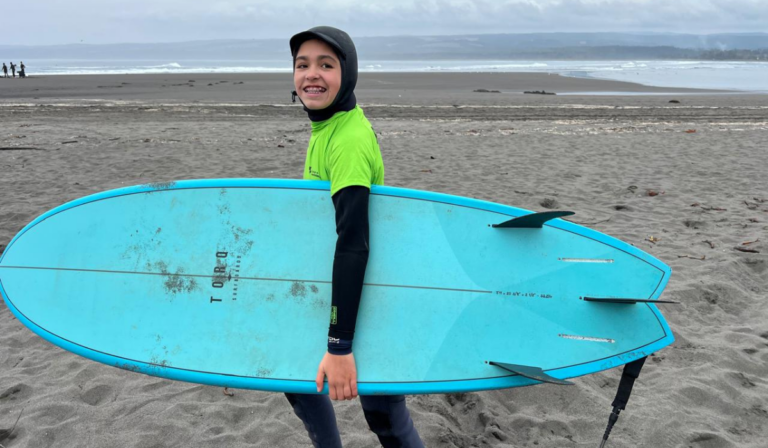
column 725, row 75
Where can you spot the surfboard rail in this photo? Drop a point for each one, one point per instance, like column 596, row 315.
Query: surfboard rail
column 498, row 212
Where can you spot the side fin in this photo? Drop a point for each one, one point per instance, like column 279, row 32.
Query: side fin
column 534, row 373
column 623, row 301
column 533, row 220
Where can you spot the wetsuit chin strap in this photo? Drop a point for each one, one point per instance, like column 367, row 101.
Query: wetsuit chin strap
column 628, row 377
column 324, row 114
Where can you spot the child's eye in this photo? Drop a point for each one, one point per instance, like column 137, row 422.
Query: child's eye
column 327, row 66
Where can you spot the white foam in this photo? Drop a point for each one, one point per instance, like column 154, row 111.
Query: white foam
column 726, row 75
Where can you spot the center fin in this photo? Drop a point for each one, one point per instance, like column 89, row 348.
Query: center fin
column 624, row 301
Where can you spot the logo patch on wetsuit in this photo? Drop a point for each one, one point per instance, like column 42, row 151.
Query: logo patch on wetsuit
column 333, row 315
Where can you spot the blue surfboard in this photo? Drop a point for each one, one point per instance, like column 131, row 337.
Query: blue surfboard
column 228, row 282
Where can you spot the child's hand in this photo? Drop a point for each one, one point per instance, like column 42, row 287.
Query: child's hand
column 342, row 376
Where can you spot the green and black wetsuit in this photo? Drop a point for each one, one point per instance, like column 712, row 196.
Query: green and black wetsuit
column 343, row 150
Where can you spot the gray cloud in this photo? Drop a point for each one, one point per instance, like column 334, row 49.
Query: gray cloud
column 91, row 21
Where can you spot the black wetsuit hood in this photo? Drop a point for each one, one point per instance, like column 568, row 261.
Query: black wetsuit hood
column 345, row 49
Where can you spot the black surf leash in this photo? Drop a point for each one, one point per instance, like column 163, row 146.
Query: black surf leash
column 628, row 376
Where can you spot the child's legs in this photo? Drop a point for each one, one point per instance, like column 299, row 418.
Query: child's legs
column 390, row 420
column 316, row 412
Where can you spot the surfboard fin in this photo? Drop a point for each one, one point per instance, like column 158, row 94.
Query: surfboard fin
column 623, row 301
column 533, row 220
column 534, row 373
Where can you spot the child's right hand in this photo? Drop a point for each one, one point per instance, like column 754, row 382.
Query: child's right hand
column 342, row 376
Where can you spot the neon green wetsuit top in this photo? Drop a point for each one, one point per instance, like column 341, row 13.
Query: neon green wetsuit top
column 343, row 149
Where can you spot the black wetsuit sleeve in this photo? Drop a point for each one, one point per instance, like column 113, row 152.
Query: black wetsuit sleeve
column 349, row 264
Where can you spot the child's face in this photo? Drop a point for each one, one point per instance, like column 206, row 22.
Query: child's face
column 317, row 74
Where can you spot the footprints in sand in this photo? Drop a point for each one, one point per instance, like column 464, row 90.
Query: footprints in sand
column 708, row 440
column 693, row 224
column 97, row 395
column 742, row 380
column 469, row 420
column 451, row 412
column 93, row 396
column 19, row 392
column 549, row 203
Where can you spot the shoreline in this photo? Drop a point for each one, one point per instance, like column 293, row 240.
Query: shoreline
column 275, row 88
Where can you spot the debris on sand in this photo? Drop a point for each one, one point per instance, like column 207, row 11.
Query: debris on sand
column 6, row 433
column 539, row 92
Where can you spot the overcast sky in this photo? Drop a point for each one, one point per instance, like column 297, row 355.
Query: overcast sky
column 33, row 22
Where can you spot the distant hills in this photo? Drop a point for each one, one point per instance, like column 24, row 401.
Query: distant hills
column 548, row 46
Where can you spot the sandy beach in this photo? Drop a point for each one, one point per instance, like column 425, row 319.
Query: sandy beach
column 684, row 181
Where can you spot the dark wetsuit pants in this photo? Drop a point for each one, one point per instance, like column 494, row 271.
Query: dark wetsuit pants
column 386, row 415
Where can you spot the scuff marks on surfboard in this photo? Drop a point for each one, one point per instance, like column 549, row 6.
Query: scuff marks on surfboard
column 237, row 239
column 176, row 282
column 127, row 366
column 157, row 186
column 298, row 290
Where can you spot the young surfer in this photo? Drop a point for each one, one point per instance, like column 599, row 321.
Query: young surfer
column 343, row 150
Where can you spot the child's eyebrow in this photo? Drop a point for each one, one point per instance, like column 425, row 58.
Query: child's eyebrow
column 322, row 56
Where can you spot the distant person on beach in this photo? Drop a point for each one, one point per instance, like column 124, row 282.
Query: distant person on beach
column 5, row 70
column 343, row 149
column 13, row 69
column 22, row 70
